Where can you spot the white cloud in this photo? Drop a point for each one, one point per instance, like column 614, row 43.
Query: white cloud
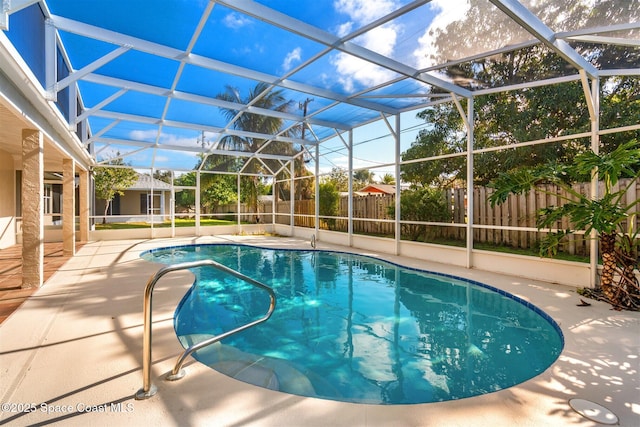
column 167, row 138
column 364, row 11
column 235, row 21
column 381, row 39
column 344, row 29
column 291, row 58
column 144, row 135
column 352, row 70
column 161, row 159
column 447, row 11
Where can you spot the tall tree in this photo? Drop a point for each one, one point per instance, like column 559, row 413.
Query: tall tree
column 339, row 178
column 110, row 181
column 529, row 114
column 387, row 178
column 362, row 178
column 263, row 97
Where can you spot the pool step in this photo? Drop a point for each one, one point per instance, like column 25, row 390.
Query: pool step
column 267, row 372
column 248, row 372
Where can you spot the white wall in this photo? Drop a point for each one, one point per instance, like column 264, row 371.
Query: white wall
column 7, row 201
column 544, row 269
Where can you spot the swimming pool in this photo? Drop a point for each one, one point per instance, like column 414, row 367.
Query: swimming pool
column 358, row 329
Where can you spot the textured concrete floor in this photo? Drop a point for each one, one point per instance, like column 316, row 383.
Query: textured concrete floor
column 11, row 293
column 71, row 355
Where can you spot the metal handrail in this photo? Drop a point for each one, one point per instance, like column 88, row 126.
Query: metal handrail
column 148, row 389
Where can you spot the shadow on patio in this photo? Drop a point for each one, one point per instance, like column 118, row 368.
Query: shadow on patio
column 11, row 294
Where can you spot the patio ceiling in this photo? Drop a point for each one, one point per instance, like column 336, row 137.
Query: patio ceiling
column 149, row 73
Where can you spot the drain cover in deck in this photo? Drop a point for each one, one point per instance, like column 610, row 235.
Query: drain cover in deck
column 593, row 411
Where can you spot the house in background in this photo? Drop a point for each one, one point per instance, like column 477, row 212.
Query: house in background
column 373, row 189
column 378, row 189
column 148, row 200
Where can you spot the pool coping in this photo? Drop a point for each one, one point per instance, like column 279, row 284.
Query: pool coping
column 88, row 316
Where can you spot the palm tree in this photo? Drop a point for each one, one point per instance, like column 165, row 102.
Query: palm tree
column 389, row 179
column 259, row 96
column 607, row 215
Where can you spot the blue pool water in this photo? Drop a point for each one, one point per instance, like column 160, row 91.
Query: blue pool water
column 358, row 329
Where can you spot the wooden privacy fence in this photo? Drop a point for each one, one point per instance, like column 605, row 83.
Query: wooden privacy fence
column 517, row 211
column 520, row 211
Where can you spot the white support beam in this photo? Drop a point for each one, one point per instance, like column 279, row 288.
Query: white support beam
column 195, row 149
column 317, row 192
column 283, row 169
column 346, row 144
column 239, row 203
column 184, row 125
column 184, row 96
column 50, row 60
column 315, row 34
column 160, row 50
column 463, row 114
column 73, row 107
column 198, row 203
column 292, row 198
column 391, row 129
column 9, row 7
column 627, row 72
column 530, row 22
column 158, row 91
column 528, row 85
column 121, row 156
column 350, row 188
column 617, row 41
column 99, row 106
column 619, row 27
column 398, row 213
column 77, row 75
column 101, row 132
column 587, row 94
column 470, row 201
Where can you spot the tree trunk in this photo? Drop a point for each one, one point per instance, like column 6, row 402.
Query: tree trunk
column 608, row 252
column 628, row 287
column 106, row 210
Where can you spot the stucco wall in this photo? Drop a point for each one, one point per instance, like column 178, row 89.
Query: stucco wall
column 130, row 207
column 554, row 271
column 7, row 201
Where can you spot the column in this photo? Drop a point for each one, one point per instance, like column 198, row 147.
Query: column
column 32, row 208
column 68, row 207
column 84, row 205
column 397, row 171
column 470, row 201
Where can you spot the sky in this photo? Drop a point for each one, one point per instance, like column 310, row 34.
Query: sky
column 234, row 38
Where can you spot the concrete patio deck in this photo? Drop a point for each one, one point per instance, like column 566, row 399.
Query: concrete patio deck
column 71, row 355
column 11, row 293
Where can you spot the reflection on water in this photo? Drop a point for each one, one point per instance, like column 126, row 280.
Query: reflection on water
column 356, row 329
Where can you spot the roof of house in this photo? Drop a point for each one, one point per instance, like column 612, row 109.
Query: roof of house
column 146, row 182
column 379, row 188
